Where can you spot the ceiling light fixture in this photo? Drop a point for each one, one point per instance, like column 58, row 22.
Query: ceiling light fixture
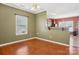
column 35, row 7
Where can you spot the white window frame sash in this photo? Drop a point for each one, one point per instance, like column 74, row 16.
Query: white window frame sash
column 26, row 26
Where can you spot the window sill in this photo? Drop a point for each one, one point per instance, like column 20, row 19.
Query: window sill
column 21, row 34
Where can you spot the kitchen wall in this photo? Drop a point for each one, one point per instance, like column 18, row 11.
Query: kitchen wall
column 8, row 24
column 43, row 32
column 75, row 20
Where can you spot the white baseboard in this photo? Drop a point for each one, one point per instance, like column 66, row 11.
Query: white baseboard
column 31, row 39
column 16, row 42
column 51, row 41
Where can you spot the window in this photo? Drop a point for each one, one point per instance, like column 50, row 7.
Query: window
column 21, row 25
column 67, row 24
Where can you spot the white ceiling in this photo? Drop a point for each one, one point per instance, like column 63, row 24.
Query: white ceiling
column 54, row 9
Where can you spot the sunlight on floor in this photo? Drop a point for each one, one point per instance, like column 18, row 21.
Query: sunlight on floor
column 22, row 51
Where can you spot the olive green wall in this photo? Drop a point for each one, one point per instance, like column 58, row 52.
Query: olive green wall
column 37, row 26
column 43, row 32
column 8, row 24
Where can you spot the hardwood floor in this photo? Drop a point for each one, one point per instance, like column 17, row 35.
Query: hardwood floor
column 34, row 47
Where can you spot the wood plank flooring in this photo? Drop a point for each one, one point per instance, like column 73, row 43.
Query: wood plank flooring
column 34, row 47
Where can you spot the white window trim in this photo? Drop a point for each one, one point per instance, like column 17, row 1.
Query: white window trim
column 65, row 25
column 26, row 26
